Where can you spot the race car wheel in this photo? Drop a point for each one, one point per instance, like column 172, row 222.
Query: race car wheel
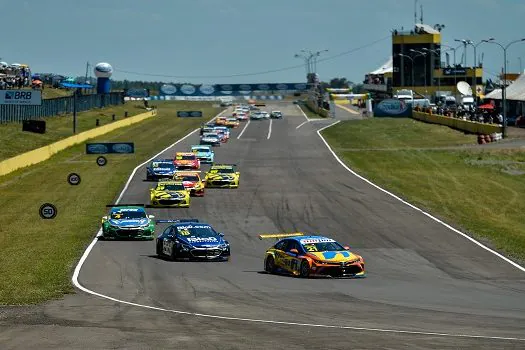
column 305, row 269
column 158, row 249
column 269, row 265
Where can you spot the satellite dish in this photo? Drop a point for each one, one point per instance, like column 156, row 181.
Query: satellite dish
column 464, row 88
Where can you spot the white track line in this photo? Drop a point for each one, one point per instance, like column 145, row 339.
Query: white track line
column 297, row 127
column 376, row 330
column 243, row 129
column 413, row 206
column 269, row 130
column 304, row 114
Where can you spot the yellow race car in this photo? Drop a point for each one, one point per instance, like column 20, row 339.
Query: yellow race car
column 222, row 176
column 170, row 194
column 306, row 256
column 232, row 122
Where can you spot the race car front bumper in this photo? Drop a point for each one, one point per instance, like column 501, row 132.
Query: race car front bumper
column 221, row 184
column 157, row 177
column 341, row 270
column 171, row 202
column 128, row 233
column 214, row 253
column 207, row 160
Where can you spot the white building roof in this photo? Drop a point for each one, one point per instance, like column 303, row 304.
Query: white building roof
column 515, row 91
column 388, row 67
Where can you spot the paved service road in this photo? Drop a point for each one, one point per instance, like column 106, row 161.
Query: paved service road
column 427, row 287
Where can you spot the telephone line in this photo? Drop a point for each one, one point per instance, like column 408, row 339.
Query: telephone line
column 256, row 73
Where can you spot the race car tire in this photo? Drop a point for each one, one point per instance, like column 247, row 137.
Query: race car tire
column 305, row 269
column 173, row 256
column 269, row 265
column 158, row 249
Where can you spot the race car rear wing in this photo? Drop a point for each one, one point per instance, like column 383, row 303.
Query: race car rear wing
column 172, row 221
column 280, row 235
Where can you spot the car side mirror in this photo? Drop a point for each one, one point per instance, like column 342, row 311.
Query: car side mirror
column 151, row 216
column 294, row 251
column 221, row 234
column 346, row 247
column 104, row 218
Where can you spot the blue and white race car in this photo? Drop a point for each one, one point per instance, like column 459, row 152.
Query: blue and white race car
column 160, row 169
column 191, row 239
column 204, row 153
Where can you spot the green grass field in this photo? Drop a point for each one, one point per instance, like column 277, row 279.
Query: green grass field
column 38, row 255
column 479, row 190
column 16, row 141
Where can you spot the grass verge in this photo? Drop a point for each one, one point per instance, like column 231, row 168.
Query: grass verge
column 38, row 255
column 480, row 190
column 309, row 113
column 16, row 141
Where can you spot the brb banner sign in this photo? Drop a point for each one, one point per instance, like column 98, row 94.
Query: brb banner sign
column 228, row 89
column 393, row 108
column 21, row 97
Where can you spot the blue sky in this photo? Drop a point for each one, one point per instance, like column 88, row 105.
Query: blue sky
column 226, row 37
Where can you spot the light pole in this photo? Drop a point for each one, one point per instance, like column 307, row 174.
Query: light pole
column 504, row 86
column 306, row 62
column 436, row 52
column 465, row 43
column 412, row 66
column 317, row 54
column 521, row 69
column 419, row 53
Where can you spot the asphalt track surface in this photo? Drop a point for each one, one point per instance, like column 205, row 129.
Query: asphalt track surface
column 427, row 286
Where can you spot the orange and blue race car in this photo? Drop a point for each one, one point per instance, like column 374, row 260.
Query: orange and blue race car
column 306, row 256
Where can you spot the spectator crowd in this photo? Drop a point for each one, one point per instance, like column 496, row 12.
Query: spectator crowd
column 468, row 112
column 16, row 76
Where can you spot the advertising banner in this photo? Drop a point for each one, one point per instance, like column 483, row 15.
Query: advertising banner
column 227, row 89
column 138, row 93
column 21, row 97
column 189, row 114
column 110, row 147
column 393, row 108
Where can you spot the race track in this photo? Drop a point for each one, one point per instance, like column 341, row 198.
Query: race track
column 427, row 286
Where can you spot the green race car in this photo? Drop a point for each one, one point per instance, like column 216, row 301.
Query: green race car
column 128, row 221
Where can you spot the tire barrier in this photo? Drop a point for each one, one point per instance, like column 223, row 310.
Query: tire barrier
column 485, row 138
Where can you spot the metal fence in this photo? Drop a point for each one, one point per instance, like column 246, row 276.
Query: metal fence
column 58, row 106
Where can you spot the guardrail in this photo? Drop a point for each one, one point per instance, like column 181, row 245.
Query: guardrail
column 459, row 124
column 43, row 153
column 57, row 106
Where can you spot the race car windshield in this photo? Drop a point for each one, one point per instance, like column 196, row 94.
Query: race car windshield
column 172, row 187
column 188, row 157
column 211, row 135
column 323, row 247
column 201, row 149
column 223, row 171
column 128, row 214
column 163, row 165
column 192, row 178
column 201, row 231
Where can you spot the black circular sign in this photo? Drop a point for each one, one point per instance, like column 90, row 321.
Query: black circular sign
column 48, row 211
column 101, row 161
column 73, row 179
